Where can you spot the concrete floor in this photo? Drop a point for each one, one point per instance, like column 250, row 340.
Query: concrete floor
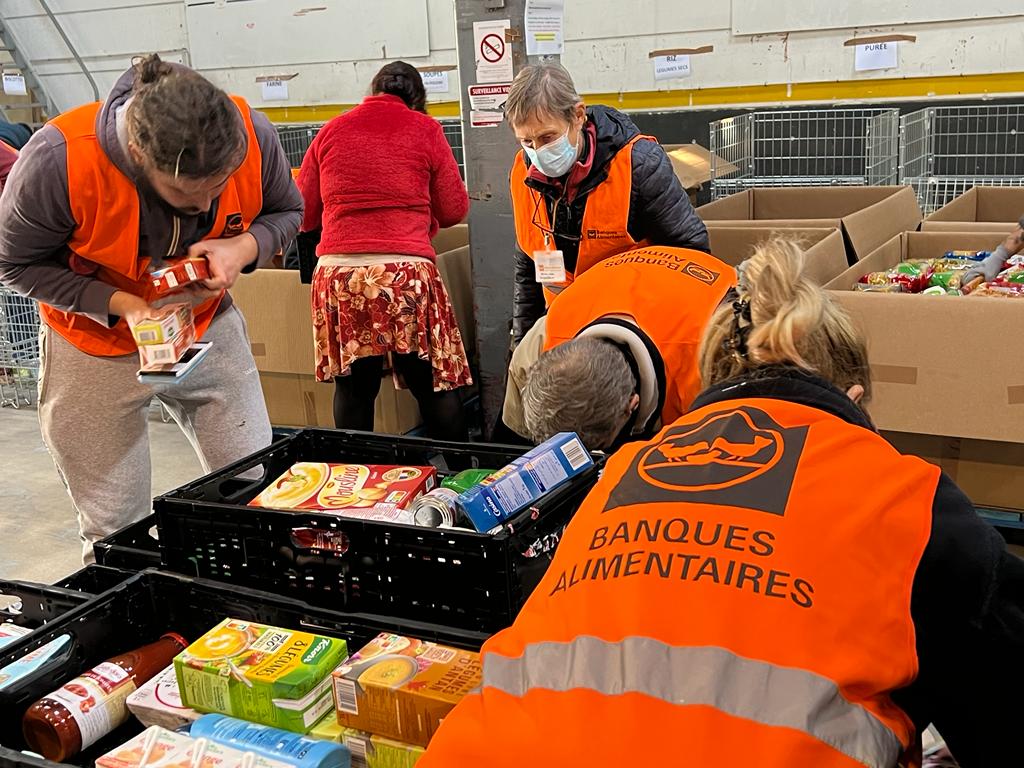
column 38, row 530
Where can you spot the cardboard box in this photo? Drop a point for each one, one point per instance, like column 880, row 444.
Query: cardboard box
column 940, row 365
column 276, row 677
column 346, row 487
column 451, row 238
column 401, row 688
column 158, row 702
column 980, row 209
column 368, row 751
column 990, row 473
column 155, row 357
column 276, row 307
column 456, row 270
column 692, row 164
column 825, row 249
column 163, row 325
column 867, row 216
column 180, row 273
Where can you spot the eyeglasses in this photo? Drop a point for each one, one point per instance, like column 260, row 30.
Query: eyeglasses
column 537, row 199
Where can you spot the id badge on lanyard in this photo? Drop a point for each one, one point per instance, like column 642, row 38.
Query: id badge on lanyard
column 549, row 265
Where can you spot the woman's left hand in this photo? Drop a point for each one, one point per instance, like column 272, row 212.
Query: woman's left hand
column 227, row 258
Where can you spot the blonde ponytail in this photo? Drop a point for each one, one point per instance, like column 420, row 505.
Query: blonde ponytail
column 781, row 317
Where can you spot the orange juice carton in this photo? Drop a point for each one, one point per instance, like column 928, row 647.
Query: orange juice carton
column 177, row 275
column 369, row 491
column 276, row 677
column 158, row 702
column 154, row 357
column 400, row 688
column 163, row 325
column 158, row 747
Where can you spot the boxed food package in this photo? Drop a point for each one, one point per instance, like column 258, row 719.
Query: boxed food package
column 153, row 357
column 277, row 677
column 366, row 490
column 401, row 688
column 520, row 484
column 159, row 747
column 179, row 274
column 158, row 702
column 367, row 750
column 163, row 325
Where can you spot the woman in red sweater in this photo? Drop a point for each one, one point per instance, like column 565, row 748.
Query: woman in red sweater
column 380, row 181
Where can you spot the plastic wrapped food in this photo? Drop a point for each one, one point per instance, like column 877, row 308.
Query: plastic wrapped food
column 912, row 276
column 1000, row 289
column 883, row 288
column 971, row 255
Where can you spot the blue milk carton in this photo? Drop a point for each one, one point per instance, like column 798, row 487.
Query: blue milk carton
column 520, row 484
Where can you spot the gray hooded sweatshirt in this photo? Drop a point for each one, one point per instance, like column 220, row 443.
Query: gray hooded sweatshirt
column 36, row 223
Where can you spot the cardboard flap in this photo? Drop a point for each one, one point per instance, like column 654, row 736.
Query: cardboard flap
column 738, row 207
column 867, row 229
column 826, row 253
column 692, row 164
column 998, row 204
column 816, row 202
column 963, row 208
column 451, row 238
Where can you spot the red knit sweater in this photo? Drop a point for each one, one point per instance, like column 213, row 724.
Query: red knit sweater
column 381, row 179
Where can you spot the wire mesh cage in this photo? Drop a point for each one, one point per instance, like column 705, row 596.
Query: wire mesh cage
column 944, row 151
column 19, row 349
column 811, row 147
column 296, row 140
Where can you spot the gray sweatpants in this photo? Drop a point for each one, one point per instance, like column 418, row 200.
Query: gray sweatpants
column 93, row 413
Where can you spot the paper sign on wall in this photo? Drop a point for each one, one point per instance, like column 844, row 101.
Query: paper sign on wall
column 671, row 67
column 545, row 27
column 275, row 90
column 485, row 119
column 877, row 56
column 14, row 85
column 492, row 51
column 435, row 82
column 489, row 97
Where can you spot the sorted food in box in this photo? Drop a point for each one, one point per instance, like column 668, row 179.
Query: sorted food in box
column 163, row 325
column 367, row 750
column 520, row 484
column 153, row 357
column 179, row 274
column 277, row 677
column 401, row 688
column 373, row 490
column 162, row 748
column 158, row 702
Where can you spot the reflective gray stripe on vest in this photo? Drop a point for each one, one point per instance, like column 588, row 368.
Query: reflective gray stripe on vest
column 554, row 287
column 754, row 690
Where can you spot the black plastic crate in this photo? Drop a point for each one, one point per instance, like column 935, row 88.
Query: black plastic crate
column 456, row 578
column 94, row 579
column 151, row 603
column 133, row 548
column 37, row 604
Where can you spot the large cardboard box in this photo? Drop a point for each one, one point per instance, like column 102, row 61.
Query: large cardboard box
column 824, row 248
column 867, row 216
column 692, row 164
column 456, row 270
column 990, row 473
column 276, row 307
column 940, row 365
column 980, row 209
column 451, row 238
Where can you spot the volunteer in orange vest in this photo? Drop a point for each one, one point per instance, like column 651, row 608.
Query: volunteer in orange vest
column 619, row 348
column 587, row 185
column 766, row 583
column 168, row 167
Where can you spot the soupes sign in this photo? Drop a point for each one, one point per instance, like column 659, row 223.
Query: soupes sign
column 740, row 458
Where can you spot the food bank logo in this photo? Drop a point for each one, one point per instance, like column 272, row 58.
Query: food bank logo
column 739, row 458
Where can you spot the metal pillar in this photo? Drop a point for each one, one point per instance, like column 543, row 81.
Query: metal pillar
column 489, row 153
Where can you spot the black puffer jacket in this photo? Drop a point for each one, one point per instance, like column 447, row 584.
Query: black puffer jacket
column 659, row 209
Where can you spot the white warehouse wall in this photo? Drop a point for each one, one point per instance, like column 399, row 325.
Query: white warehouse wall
column 334, row 52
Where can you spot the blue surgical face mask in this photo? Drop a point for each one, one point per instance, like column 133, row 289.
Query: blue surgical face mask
column 555, row 159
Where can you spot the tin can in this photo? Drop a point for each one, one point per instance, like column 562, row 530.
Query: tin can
column 436, row 509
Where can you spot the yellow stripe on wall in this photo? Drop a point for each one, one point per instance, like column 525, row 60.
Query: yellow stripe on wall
column 844, row 90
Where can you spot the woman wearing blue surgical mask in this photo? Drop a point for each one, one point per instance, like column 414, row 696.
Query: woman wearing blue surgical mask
column 587, row 185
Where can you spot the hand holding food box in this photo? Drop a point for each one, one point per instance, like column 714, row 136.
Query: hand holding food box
column 180, row 274
column 164, row 336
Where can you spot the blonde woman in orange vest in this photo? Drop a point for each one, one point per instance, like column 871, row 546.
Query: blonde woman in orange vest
column 618, row 351
column 587, row 185
column 169, row 166
column 766, row 583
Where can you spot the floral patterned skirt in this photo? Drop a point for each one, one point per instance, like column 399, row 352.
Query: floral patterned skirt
column 399, row 307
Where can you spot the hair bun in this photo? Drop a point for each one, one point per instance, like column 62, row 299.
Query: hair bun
column 151, row 68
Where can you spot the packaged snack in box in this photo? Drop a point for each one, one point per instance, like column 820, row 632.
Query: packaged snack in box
column 370, row 490
column 161, row 748
column 154, row 357
column 276, row 677
column 163, row 325
column 367, row 750
column 911, row 276
column 401, row 688
column 520, row 484
column 176, row 276
column 158, row 702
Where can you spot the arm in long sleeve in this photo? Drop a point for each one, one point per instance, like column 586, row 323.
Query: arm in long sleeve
column 279, row 221
column 968, row 610
column 449, row 201
column 309, row 187
column 36, row 224
column 660, row 209
column 527, row 297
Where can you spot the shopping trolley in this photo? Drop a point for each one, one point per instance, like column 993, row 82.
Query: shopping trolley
column 19, row 349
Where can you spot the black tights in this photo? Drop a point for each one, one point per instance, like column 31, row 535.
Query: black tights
column 355, row 394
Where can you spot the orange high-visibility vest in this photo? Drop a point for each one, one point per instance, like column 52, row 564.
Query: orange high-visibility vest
column 670, row 292
column 605, row 217
column 735, row 592
column 105, row 205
